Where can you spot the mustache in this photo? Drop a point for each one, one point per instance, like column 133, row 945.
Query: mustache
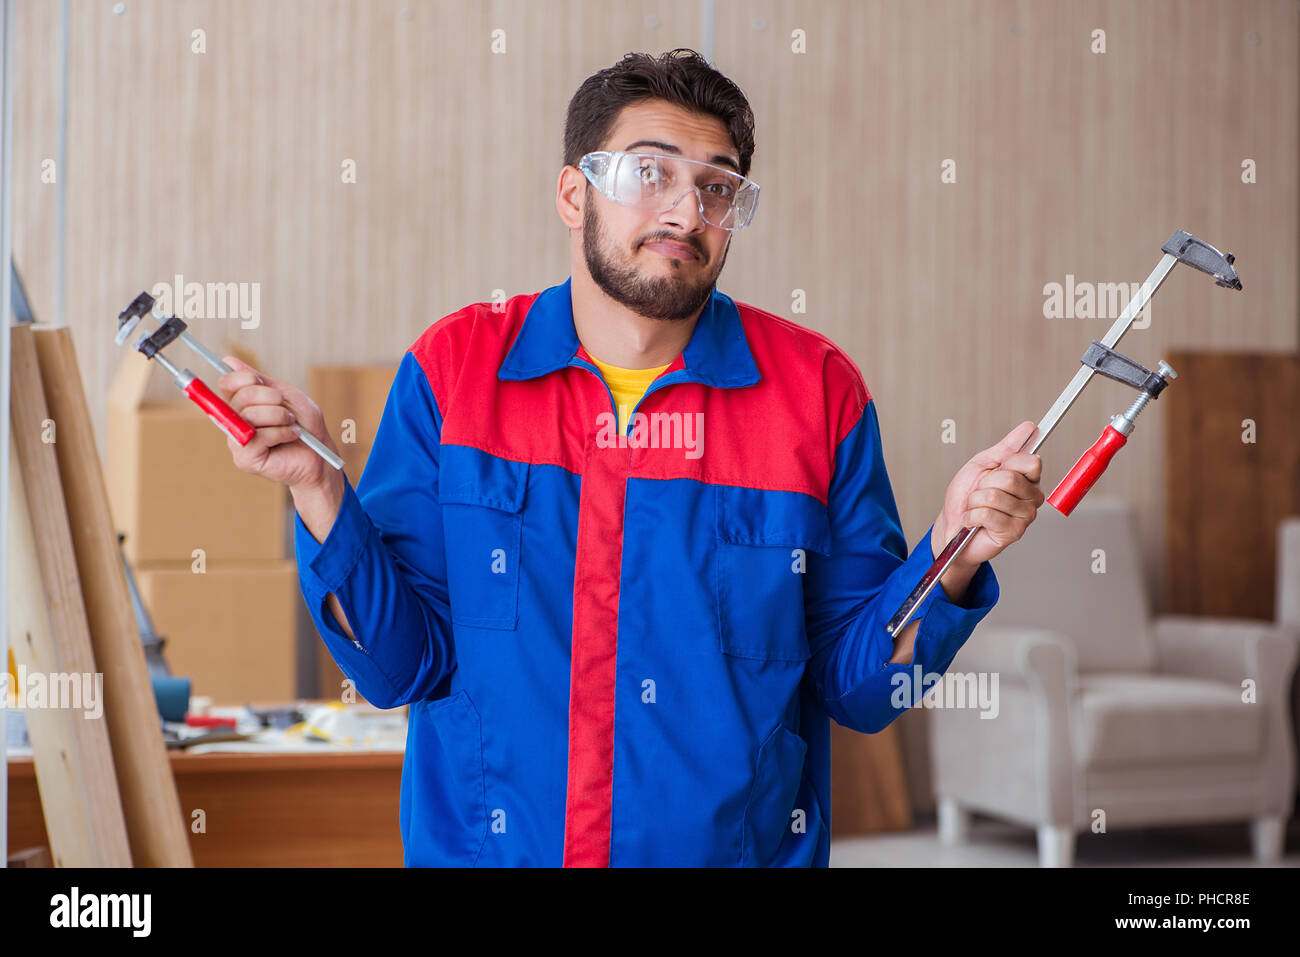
column 684, row 240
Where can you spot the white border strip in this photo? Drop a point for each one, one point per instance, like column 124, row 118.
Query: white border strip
column 6, row 294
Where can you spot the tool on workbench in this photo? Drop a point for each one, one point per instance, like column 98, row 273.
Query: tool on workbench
column 169, row 330
column 210, row 721
column 1182, row 247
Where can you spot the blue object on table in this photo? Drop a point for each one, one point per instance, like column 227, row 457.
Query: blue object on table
column 173, row 697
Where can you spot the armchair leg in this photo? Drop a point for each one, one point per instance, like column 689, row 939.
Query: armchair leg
column 954, row 822
column 1267, row 837
column 1055, row 846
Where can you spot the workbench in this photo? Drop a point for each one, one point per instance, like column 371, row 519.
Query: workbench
column 332, row 809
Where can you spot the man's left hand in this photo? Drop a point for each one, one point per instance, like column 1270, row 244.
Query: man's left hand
column 997, row 490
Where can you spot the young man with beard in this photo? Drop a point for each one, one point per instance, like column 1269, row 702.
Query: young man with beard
column 623, row 648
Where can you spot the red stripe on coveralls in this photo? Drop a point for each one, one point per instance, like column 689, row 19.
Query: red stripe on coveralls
column 592, row 673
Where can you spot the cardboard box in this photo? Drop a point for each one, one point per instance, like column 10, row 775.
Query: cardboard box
column 352, row 400
column 232, row 629
column 172, row 487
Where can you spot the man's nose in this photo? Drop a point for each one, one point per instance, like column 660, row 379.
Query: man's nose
column 685, row 213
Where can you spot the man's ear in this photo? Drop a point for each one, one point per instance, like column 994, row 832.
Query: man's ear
column 570, row 195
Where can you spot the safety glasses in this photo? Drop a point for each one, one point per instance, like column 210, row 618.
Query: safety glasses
column 657, row 182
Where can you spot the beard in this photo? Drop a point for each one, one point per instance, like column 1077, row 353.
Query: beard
column 657, row 297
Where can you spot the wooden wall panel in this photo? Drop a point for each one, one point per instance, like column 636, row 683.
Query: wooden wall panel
column 225, row 167
column 1067, row 162
column 1234, row 474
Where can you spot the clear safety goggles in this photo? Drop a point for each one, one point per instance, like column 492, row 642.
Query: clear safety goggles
column 656, row 182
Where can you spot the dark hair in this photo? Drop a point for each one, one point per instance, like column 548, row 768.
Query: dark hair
column 681, row 77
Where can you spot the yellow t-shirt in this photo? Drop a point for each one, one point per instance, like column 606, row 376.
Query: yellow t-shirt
column 627, row 386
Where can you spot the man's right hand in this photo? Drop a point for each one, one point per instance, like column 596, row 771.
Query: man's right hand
column 276, row 409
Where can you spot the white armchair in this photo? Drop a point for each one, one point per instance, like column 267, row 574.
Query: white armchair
column 1287, row 597
column 1108, row 717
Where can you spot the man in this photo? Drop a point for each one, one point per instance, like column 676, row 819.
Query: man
column 626, row 546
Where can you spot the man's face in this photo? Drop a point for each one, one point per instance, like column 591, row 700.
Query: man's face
column 662, row 265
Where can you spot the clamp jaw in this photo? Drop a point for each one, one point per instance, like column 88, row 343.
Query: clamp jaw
column 1181, row 247
column 1199, row 254
column 1106, row 361
column 151, row 344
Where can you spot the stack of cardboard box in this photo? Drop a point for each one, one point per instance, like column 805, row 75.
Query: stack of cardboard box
column 205, row 540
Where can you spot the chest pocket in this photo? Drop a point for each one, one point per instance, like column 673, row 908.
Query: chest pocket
column 763, row 540
column 482, row 500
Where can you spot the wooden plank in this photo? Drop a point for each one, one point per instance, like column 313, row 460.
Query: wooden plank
column 150, row 804
column 1225, row 497
column 74, row 760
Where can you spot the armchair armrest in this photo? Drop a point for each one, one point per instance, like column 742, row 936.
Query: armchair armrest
column 1287, row 600
column 1227, row 649
column 1039, row 668
column 1018, row 653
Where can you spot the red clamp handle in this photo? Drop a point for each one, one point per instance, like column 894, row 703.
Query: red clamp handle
column 219, row 412
column 1086, row 471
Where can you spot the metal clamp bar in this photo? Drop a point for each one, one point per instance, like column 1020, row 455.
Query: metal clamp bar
column 958, row 542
